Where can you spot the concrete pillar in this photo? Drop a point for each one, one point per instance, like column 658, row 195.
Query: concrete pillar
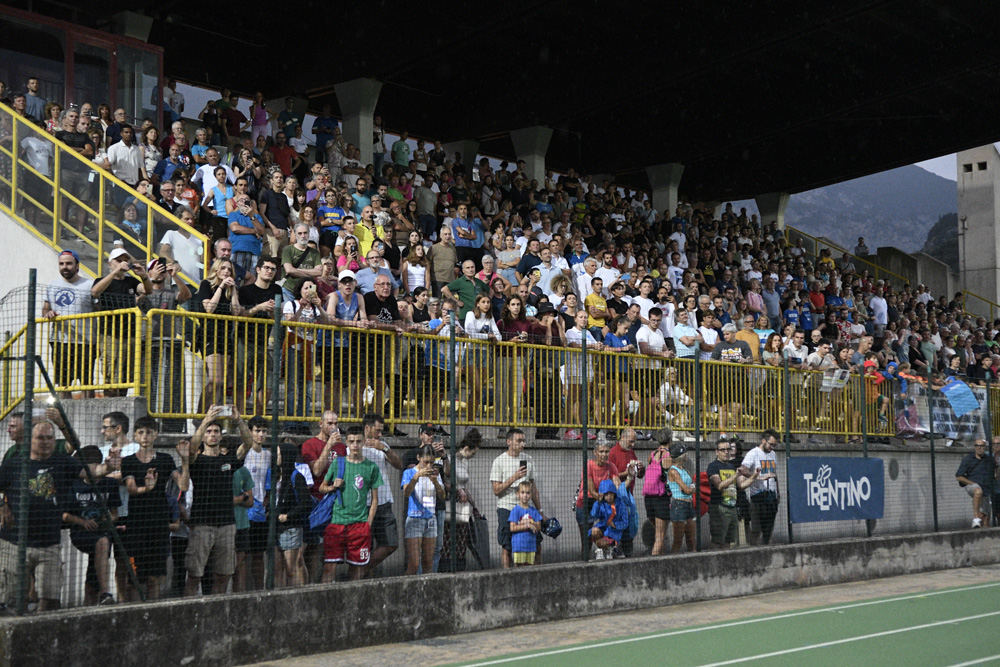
column 469, row 148
column 357, row 100
column 531, row 144
column 772, row 208
column 664, row 180
column 978, row 232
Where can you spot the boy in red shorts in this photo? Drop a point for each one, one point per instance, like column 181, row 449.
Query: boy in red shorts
column 349, row 535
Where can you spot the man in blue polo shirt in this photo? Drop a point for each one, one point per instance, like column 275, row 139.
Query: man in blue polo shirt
column 468, row 233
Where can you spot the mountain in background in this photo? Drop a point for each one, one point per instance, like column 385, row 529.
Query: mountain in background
column 942, row 241
column 893, row 208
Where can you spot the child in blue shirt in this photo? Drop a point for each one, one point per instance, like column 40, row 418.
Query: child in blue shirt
column 791, row 313
column 611, row 518
column 525, row 523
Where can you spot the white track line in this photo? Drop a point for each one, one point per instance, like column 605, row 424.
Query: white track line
column 977, row 662
column 848, row 640
column 730, row 624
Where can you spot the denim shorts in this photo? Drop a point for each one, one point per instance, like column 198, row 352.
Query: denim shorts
column 681, row 510
column 290, row 539
column 420, row 528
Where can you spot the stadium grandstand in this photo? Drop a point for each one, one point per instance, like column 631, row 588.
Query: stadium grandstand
column 275, row 343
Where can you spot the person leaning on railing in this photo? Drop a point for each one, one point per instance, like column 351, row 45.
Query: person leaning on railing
column 218, row 294
column 116, row 291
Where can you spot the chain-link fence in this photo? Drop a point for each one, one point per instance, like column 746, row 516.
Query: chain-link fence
column 173, row 452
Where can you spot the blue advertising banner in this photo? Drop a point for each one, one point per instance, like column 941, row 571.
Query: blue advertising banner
column 830, row 488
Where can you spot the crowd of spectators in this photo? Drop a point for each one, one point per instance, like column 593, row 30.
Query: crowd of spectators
column 402, row 240
column 397, row 238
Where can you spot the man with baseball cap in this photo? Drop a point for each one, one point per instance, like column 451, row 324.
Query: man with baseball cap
column 118, row 290
column 72, row 342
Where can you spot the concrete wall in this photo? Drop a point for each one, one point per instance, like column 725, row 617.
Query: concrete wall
column 22, row 250
column 908, row 506
column 897, row 261
column 978, row 234
column 936, row 275
column 238, row 629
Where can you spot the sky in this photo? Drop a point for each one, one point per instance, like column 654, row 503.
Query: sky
column 944, row 166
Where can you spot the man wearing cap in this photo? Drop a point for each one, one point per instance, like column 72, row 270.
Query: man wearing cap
column 167, row 347
column 977, row 474
column 116, row 291
column 764, row 494
column 72, row 343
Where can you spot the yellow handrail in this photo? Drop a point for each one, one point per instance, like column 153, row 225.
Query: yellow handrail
column 993, row 306
column 817, row 242
column 14, row 130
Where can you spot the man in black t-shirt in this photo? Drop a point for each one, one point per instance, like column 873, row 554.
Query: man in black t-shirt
column 722, row 514
column 116, row 291
column 91, row 527
column 145, row 475
column 383, row 312
column 75, row 173
column 50, row 479
column 253, row 358
column 213, row 523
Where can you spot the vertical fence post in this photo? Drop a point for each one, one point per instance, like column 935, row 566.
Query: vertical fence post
column 930, row 436
column 56, row 188
column 988, row 433
column 24, row 445
column 787, row 381
column 452, row 399
column 863, row 393
column 584, row 542
column 274, row 381
column 698, row 397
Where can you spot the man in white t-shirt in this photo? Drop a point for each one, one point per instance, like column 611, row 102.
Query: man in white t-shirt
column 675, row 273
column 73, row 352
column 185, row 249
column 709, row 335
column 880, row 312
column 508, row 470
column 643, row 300
column 764, row 492
column 651, row 343
column 606, row 272
column 385, row 533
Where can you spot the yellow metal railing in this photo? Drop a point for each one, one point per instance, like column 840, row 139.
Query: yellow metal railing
column 12, row 372
column 859, row 262
column 977, row 306
column 67, row 202
column 187, row 361
column 85, row 354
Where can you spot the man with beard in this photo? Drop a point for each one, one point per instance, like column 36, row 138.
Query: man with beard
column 72, row 346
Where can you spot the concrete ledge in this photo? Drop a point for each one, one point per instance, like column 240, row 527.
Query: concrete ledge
column 236, row 629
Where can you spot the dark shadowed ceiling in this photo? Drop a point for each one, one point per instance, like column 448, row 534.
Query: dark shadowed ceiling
column 751, row 97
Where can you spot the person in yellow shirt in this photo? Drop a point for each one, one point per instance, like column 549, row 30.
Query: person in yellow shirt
column 597, row 310
column 367, row 231
column 750, row 337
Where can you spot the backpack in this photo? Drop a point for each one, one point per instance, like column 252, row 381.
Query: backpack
column 652, row 483
column 632, row 529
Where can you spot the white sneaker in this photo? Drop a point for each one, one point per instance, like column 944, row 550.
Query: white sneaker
column 687, row 437
column 977, row 523
column 599, row 554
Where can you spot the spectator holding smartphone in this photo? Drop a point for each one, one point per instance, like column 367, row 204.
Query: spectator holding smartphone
column 423, row 488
